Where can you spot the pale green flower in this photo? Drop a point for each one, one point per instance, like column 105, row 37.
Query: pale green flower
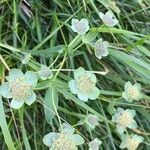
column 132, row 92
column 131, row 142
column 45, row 73
column 124, row 119
column 92, row 121
column 80, row 26
column 94, row 145
column 19, row 88
column 101, row 49
column 108, row 18
column 64, row 140
column 84, row 85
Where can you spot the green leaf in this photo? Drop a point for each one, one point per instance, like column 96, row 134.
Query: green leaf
column 68, row 95
column 111, row 108
column 4, row 127
column 50, row 104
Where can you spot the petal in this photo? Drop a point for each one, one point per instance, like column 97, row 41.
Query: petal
column 124, row 95
column 74, row 22
column 79, row 72
column 109, row 13
column 91, row 76
column 94, row 94
column 138, row 138
column 114, row 118
column 67, row 128
column 85, row 25
column 48, row 139
column 4, row 90
column 83, row 97
column 16, row 104
column 123, row 145
column 115, row 21
column 137, row 86
column 98, row 55
column 131, row 112
column 101, row 15
column 31, row 99
column 31, row 78
column 133, row 125
column 127, row 85
column 120, row 129
column 72, row 86
column 14, row 74
column 77, row 139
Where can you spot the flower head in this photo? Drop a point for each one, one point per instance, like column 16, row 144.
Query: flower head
column 108, row 18
column 132, row 92
column 94, row 145
column 92, row 121
column 124, row 118
column 131, row 142
column 80, row 26
column 45, row 73
column 84, row 85
column 19, row 87
column 101, row 48
column 65, row 139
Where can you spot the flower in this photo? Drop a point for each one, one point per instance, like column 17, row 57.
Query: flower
column 101, row 48
column 94, row 145
column 124, row 119
column 19, row 87
column 81, row 27
column 108, row 18
column 131, row 142
column 92, row 121
column 65, row 139
column 132, row 92
column 84, row 85
column 45, row 73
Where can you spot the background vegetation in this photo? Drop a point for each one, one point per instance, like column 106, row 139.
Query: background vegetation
column 42, row 28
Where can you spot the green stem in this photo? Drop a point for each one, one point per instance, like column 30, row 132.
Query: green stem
column 25, row 138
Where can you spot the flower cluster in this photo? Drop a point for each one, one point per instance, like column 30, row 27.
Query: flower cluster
column 80, row 26
column 108, row 19
column 94, row 145
column 131, row 142
column 84, row 85
column 19, row 88
column 132, row 92
column 123, row 119
column 92, row 121
column 65, row 139
column 45, row 73
column 101, row 48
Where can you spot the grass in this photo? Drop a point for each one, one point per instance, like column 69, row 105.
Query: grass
column 43, row 30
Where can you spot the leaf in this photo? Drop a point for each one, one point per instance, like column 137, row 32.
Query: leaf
column 50, row 104
column 68, row 95
column 111, row 108
column 4, row 127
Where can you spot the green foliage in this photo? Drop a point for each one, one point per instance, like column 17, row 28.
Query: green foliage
column 54, row 34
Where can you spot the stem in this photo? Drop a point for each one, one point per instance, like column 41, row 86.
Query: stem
column 96, row 72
